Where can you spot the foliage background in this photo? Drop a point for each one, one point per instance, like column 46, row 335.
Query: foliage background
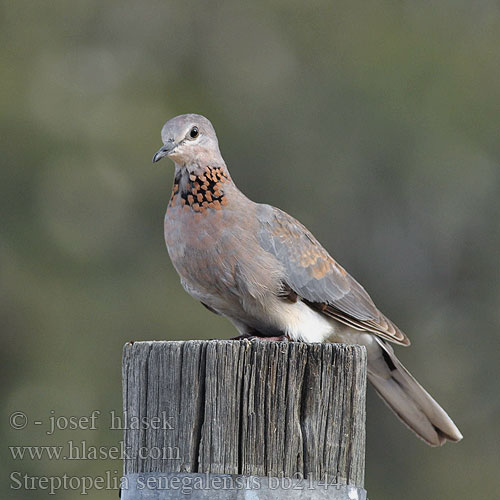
column 374, row 123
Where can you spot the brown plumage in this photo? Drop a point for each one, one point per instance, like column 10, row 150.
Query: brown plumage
column 266, row 273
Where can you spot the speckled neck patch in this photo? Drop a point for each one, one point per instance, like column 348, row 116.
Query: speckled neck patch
column 199, row 192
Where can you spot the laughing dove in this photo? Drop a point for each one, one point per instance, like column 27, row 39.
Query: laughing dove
column 266, row 273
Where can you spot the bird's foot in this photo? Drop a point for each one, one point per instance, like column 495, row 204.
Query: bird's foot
column 280, row 338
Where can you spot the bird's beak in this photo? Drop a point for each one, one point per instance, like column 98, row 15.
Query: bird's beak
column 163, row 151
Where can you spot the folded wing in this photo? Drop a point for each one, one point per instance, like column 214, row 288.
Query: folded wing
column 317, row 279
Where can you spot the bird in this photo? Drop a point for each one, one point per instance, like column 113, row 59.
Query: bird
column 265, row 272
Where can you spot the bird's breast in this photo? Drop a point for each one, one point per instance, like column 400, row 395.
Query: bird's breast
column 218, row 256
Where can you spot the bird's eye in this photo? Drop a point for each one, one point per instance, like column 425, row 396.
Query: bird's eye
column 194, row 133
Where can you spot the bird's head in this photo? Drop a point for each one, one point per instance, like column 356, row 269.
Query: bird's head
column 189, row 139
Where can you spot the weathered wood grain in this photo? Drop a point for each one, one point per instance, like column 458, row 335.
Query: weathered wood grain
column 254, row 408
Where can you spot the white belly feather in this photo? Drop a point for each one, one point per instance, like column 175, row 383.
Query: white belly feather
column 302, row 323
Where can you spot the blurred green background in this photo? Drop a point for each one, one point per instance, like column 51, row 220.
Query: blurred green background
column 377, row 124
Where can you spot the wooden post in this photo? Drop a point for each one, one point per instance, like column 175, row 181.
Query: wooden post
column 243, row 419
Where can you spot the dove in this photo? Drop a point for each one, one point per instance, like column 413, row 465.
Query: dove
column 265, row 272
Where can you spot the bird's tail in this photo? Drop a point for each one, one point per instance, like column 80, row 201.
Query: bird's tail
column 408, row 399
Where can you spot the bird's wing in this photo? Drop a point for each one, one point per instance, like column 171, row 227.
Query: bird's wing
column 314, row 276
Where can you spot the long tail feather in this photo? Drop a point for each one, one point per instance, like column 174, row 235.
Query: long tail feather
column 408, row 399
